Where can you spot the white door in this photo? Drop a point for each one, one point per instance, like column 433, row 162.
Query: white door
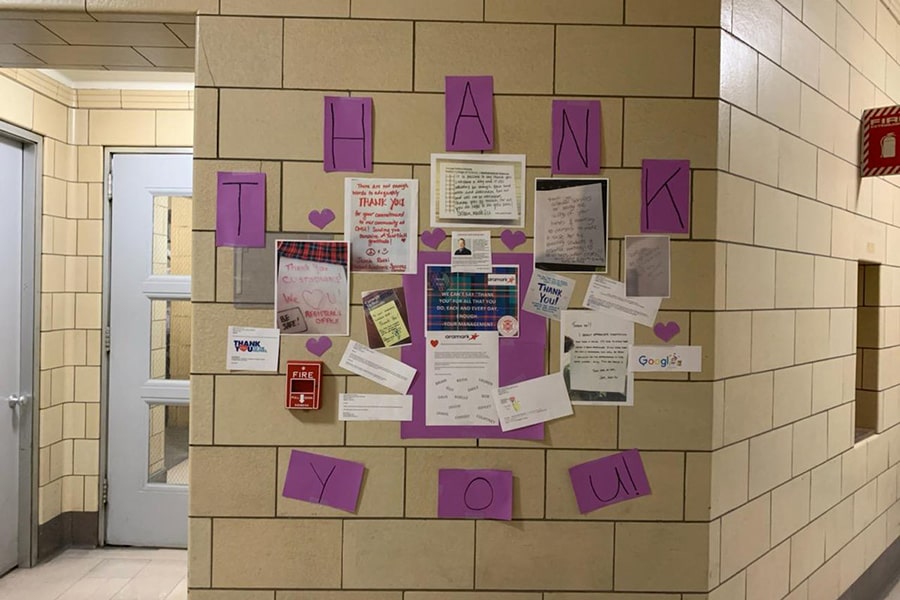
column 11, row 410
column 149, row 351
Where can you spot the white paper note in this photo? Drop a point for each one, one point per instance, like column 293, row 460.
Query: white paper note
column 647, row 266
column 548, row 294
column 531, row 402
column 473, row 190
column 253, row 349
column 594, row 357
column 471, row 252
column 665, row 359
column 608, row 296
column 461, row 370
column 570, row 226
column 377, row 367
column 374, row 407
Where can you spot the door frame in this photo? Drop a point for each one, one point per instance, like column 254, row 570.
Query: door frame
column 106, row 300
column 30, row 345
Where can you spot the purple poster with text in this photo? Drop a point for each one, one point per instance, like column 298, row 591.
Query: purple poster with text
column 575, row 139
column 665, row 196
column 475, row 494
column 241, row 210
column 469, row 113
column 348, row 134
column 609, row 480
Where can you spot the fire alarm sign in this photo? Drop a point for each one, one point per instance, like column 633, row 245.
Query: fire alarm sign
column 880, row 129
column 304, row 385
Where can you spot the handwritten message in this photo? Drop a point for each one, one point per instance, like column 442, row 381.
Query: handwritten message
column 312, row 296
column 595, row 348
column 570, row 226
column 647, row 266
column 478, row 191
column 609, row 480
column 380, row 215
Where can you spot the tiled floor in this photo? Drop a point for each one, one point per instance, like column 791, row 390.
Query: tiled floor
column 102, row 574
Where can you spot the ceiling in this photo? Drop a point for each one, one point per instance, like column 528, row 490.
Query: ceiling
column 81, row 40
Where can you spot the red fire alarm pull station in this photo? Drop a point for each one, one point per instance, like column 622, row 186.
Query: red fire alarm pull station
column 880, row 152
column 304, row 385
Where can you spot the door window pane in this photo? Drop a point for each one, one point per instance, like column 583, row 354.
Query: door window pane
column 172, row 235
column 168, row 455
column 170, row 339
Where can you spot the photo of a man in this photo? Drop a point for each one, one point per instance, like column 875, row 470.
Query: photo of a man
column 461, row 249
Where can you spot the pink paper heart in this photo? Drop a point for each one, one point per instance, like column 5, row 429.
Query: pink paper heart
column 433, row 238
column 321, row 219
column 512, row 238
column 666, row 332
column 318, row 346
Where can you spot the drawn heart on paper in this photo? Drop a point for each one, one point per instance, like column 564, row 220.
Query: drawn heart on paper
column 433, row 238
column 316, row 298
column 666, row 332
column 434, row 343
column 512, row 238
column 321, row 219
column 318, row 346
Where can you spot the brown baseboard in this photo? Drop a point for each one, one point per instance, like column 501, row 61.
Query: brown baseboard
column 879, row 578
column 66, row 530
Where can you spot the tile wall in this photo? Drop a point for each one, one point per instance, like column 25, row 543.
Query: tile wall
column 75, row 126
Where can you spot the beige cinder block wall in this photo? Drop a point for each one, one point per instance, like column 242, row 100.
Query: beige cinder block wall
column 801, row 508
column 262, row 71
column 75, row 126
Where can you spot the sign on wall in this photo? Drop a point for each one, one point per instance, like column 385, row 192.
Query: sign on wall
column 880, row 152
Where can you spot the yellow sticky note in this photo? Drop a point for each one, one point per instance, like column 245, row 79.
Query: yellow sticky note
column 389, row 322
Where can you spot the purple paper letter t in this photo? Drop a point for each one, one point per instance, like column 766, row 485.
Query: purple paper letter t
column 241, row 210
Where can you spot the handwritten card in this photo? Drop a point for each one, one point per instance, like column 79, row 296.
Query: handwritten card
column 348, row 134
column 594, row 357
column 312, row 293
column 575, row 137
column 323, row 480
column 548, row 294
column 374, row 407
column 241, row 210
column 377, row 367
column 608, row 295
column 461, row 372
column 387, row 319
column 647, row 266
column 609, row 480
column 533, row 401
column 469, row 113
column 570, row 232
column 665, row 196
column 477, row 190
column 381, row 221
column 665, row 359
column 475, row 494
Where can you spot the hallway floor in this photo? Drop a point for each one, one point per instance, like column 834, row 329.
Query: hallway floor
column 102, row 574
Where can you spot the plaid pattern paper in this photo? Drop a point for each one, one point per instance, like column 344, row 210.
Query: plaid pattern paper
column 469, row 301
column 335, row 253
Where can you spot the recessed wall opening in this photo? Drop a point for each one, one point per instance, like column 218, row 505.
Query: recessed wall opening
column 869, row 340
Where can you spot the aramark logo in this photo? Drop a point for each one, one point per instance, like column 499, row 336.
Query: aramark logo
column 670, row 361
column 460, row 336
column 249, row 346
